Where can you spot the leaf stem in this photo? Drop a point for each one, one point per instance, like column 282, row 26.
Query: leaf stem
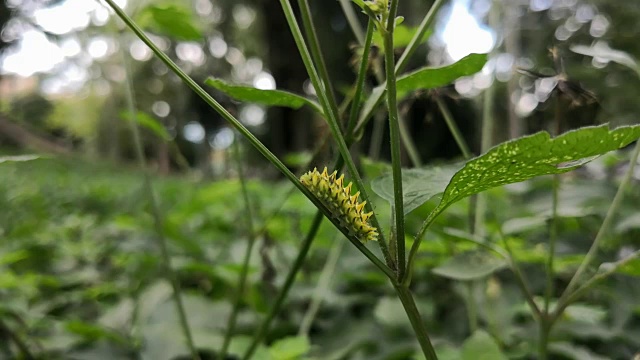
column 242, row 281
column 453, row 128
column 416, row 40
column 155, row 210
column 362, row 75
column 394, row 129
column 323, row 285
column 604, row 228
column 352, row 19
column 406, row 298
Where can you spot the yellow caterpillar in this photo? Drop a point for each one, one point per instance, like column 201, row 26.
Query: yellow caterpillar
column 343, row 206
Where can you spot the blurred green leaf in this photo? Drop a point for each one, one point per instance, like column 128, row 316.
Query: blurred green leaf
column 148, row 122
column 260, row 96
column 481, row 346
column 427, row 78
column 575, row 352
column 602, row 52
column 402, row 36
column 430, row 78
column 535, row 155
column 18, row 158
column 470, row 265
column 172, row 19
column 290, row 348
column 418, row 185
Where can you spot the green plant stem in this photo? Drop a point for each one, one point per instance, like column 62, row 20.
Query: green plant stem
column 242, row 281
column 321, row 288
column 521, row 280
column 453, row 128
column 408, row 143
column 416, row 40
column 406, row 298
column 604, row 228
column 332, row 120
column 17, row 340
column 302, row 254
column 362, row 75
column 155, row 211
column 318, row 59
column 394, row 129
column 352, row 19
column 472, row 312
column 553, row 236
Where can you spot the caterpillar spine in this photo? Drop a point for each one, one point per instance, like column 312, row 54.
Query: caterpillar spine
column 344, row 207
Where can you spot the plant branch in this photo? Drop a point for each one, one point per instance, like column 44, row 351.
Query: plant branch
column 302, row 254
column 453, row 128
column 604, row 228
column 406, row 298
column 394, row 129
column 352, row 19
column 155, row 210
column 242, row 281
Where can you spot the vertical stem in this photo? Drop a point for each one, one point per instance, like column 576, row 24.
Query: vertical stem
column 472, row 313
column 242, row 281
column 264, row 326
column 352, row 19
column 405, row 296
column 604, row 228
column 155, row 209
column 455, row 131
column 323, row 284
column 394, row 129
column 362, row 74
column 405, row 136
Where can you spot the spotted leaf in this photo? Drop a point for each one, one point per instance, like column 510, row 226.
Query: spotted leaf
column 532, row 156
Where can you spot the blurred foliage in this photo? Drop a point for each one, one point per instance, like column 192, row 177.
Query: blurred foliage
column 81, row 277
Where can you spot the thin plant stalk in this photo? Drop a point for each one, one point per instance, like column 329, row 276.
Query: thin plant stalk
column 332, row 120
column 408, row 143
column 242, row 281
column 453, row 128
column 406, row 298
column 416, row 40
column 352, row 20
column 604, row 228
column 155, row 212
column 302, row 254
column 394, row 129
column 318, row 59
column 321, row 288
column 362, row 74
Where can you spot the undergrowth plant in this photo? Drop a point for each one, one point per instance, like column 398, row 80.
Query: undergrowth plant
column 352, row 212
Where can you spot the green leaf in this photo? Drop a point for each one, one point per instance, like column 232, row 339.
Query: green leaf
column 360, row 3
column 402, row 36
column 534, row 155
column 426, row 78
column 266, row 97
column 418, row 185
column 18, row 158
column 174, row 20
column 570, row 351
column 602, row 52
column 481, row 346
column 470, row 265
column 430, row 78
column 290, row 348
column 149, row 122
